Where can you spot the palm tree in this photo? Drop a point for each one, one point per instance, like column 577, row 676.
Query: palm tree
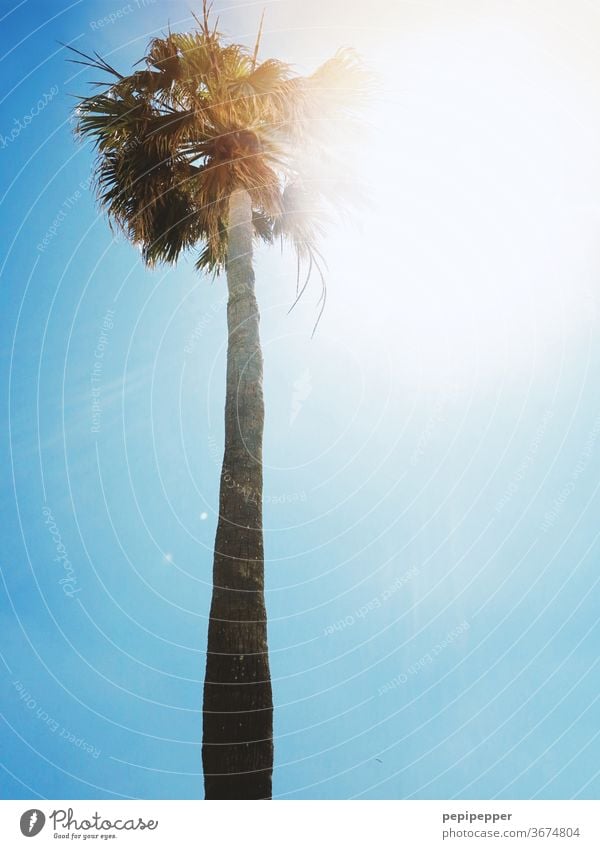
column 200, row 148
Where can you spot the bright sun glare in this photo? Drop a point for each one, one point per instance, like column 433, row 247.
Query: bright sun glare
column 476, row 250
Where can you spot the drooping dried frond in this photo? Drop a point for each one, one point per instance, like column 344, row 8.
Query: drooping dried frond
column 200, row 119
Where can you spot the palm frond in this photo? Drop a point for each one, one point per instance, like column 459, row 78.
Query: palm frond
column 204, row 117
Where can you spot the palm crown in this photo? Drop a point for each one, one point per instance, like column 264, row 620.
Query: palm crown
column 200, row 120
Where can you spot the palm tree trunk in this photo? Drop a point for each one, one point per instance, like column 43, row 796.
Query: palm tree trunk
column 237, row 750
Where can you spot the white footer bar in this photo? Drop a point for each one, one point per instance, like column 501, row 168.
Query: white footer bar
column 305, row 824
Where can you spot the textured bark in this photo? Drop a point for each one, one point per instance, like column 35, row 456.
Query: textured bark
column 237, row 750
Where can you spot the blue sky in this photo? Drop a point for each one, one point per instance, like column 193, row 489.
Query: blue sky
column 432, row 457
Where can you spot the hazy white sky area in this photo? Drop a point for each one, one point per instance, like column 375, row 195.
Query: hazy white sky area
column 482, row 172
